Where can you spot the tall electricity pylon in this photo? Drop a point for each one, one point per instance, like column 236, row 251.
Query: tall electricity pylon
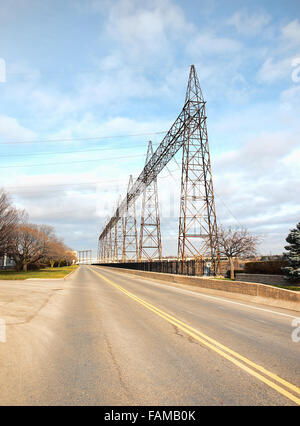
column 197, row 221
column 130, row 238
column 110, row 246
column 118, row 236
column 100, row 253
column 150, row 237
column 85, row 256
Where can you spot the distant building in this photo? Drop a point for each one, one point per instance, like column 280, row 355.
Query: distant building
column 272, row 257
column 6, row 263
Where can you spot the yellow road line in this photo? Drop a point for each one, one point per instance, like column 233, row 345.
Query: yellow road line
column 231, row 355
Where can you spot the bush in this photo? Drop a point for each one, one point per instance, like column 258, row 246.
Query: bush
column 269, row 267
column 35, row 266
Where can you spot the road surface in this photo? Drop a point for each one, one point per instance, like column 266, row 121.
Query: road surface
column 109, row 338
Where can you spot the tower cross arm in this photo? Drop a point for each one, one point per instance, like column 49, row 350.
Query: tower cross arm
column 166, row 150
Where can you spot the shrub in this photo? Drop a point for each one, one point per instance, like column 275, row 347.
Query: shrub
column 35, row 266
column 269, row 267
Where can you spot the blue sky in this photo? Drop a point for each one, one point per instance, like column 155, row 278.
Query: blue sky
column 79, row 71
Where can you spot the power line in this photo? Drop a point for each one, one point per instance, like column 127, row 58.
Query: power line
column 40, row 73
column 79, row 139
column 46, row 186
column 227, row 208
column 71, row 162
column 64, row 152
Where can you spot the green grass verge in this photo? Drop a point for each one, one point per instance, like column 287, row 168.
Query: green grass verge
column 41, row 273
column 288, row 287
column 224, row 279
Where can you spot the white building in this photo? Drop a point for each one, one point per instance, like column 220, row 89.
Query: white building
column 6, row 262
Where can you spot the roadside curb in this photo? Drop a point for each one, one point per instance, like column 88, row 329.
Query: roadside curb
column 39, row 279
column 252, row 292
column 71, row 273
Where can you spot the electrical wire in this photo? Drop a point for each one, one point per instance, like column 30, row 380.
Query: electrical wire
column 67, row 152
column 71, row 162
column 227, row 208
column 94, row 138
column 47, row 186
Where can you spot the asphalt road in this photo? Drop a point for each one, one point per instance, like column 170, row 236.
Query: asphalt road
column 109, row 338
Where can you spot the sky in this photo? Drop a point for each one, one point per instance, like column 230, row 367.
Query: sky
column 85, row 84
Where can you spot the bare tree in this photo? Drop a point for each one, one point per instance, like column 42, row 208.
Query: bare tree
column 56, row 251
column 70, row 256
column 236, row 242
column 29, row 245
column 9, row 217
column 65, row 255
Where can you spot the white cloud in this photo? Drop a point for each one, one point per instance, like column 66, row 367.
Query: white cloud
column 209, row 43
column 144, row 30
column 112, row 133
column 293, row 159
column 260, row 154
column 52, row 100
column 282, row 54
column 132, row 22
column 273, row 70
column 11, row 129
column 291, row 97
column 253, row 186
column 249, row 24
column 291, row 33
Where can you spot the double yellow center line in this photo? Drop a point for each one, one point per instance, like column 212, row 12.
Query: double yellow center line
column 275, row 382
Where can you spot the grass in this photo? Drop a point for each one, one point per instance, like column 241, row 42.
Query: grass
column 288, row 287
column 224, row 279
column 41, row 273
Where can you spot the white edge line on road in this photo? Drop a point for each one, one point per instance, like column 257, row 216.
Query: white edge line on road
column 196, row 293
column 40, row 279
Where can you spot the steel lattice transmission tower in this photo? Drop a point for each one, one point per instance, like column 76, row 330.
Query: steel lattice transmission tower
column 85, row 256
column 197, row 221
column 110, row 242
column 104, row 248
column 150, row 237
column 118, row 236
column 130, row 238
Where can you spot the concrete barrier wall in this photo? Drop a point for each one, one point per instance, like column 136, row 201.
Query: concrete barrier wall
column 261, row 278
column 259, row 293
column 188, row 267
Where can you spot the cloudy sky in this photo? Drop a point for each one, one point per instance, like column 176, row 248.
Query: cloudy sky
column 78, row 77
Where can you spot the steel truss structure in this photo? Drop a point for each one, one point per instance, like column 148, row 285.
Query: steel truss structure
column 197, row 222
column 84, row 256
column 150, row 237
column 130, row 237
column 118, row 232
